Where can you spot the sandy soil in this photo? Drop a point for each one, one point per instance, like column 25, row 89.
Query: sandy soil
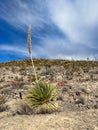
column 84, row 120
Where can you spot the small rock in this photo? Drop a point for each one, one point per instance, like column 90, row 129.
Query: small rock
column 80, row 100
column 66, row 88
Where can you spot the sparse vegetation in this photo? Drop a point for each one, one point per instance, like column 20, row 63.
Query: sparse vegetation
column 33, row 79
column 42, row 62
column 77, row 90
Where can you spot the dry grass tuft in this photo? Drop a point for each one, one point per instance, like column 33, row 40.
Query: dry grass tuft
column 22, row 108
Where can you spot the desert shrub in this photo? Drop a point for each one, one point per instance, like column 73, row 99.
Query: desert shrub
column 1, row 87
column 3, row 106
column 17, row 84
column 41, row 97
column 1, row 80
column 60, row 97
column 47, row 66
column 38, row 68
column 13, row 69
column 32, row 77
column 2, row 100
column 22, row 69
column 23, row 108
column 6, row 90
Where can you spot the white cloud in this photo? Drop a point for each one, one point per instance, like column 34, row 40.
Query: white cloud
column 62, row 48
column 21, row 13
column 75, row 18
column 22, row 51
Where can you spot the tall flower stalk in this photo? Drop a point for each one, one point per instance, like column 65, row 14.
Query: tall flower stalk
column 30, row 51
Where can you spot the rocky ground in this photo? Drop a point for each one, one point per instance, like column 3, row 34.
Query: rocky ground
column 77, row 96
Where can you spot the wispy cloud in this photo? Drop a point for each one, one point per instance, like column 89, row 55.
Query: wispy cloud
column 62, row 48
column 21, row 13
column 14, row 49
column 77, row 18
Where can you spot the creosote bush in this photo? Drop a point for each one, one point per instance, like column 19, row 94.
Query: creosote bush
column 42, row 97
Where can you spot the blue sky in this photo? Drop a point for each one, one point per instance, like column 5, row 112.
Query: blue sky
column 66, row 29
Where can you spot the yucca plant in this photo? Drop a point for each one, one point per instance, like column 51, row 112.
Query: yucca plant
column 42, row 96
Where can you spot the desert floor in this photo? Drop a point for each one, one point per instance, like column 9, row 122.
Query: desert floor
column 77, row 97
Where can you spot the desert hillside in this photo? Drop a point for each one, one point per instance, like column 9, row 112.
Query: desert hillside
column 77, row 87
